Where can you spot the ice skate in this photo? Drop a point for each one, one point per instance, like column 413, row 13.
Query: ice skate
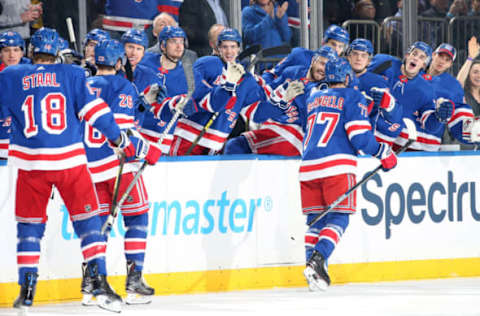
column 27, row 293
column 316, row 273
column 105, row 296
column 88, row 298
column 137, row 291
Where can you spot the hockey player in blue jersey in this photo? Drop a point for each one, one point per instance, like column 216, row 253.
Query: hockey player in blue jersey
column 12, row 47
column 447, row 88
column 387, row 117
column 279, row 136
column 47, row 101
column 169, row 69
column 103, row 164
column 222, row 87
column 337, row 128
column 415, row 96
column 334, row 37
column 92, row 38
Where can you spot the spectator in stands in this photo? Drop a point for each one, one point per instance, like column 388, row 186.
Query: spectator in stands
column 458, row 8
column 393, row 33
column 475, row 9
column 338, row 11
column 432, row 32
column 196, row 17
column 265, row 23
column 364, row 10
column 160, row 21
column 213, row 33
column 17, row 14
column 469, row 76
column 383, row 9
column 120, row 15
column 438, row 9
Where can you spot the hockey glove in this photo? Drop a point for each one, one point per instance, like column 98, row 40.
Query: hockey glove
column 286, row 92
column 382, row 98
column 232, row 75
column 295, row 88
column 387, row 157
column 370, row 102
column 124, row 144
column 143, row 148
column 154, row 93
column 180, row 103
column 444, row 109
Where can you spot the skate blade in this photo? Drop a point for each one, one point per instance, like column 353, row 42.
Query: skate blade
column 135, row 299
column 89, row 300
column 109, row 305
column 315, row 283
column 22, row 310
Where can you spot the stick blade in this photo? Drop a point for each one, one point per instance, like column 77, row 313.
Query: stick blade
column 411, row 129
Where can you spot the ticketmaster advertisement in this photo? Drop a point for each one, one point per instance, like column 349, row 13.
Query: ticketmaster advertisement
column 223, row 214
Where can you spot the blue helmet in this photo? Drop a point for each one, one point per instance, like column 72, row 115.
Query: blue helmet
column 229, row 34
column 447, row 49
column 135, row 36
column 108, row 52
column 63, row 43
column 11, row 39
column 361, row 44
column 95, row 35
column 337, row 71
column 423, row 47
column 327, row 52
column 171, row 32
column 45, row 40
column 337, row 33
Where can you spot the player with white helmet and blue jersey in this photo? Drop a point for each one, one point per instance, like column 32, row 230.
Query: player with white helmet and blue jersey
column 337, row 128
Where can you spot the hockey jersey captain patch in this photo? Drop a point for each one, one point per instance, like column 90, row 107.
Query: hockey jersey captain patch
column 47, row 79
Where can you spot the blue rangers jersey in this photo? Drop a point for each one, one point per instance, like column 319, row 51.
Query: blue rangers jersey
column 122, row 15
column 46, row 104
column 337, row 129
column 248, row 99
column 448, row 87
column 416, row 98
column 120, row 95
column 5, row 128
column 176, row 84
column 299, row 56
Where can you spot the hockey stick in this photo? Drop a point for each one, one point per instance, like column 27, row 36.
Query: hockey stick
column 118, row 179
column 254, row 49
column 71, row 33
column 191, row 89
column 412, row 136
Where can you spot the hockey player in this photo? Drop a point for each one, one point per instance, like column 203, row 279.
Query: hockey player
column 335, row 37
column 169, row 69
column 223, row 88
column 12, row 47
column 447, row 88
column 277, row 137
column 337, row 127
column 90, row 41
column 46, row 102
column 388, row 117
column 414, row 95
column 121, row 96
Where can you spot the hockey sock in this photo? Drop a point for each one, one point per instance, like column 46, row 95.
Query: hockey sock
column 29, row 236
column 311, row 239
column 331, row 232
column 136, row 238
column 93, row 243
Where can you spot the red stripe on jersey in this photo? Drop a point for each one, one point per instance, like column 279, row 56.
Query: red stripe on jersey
column 25, row 259
column 170, row 9
column 460, row 114
column 117, row 23
column 197, row 132
column 135, row 245
column 422, row 140
column 94, row 110
column 49, row 157
column 311, row 239
column 328, row 232
column 358, row 127
column 251, row 109
column 92, row 251
column 328, row 164
column 104, row 167
column 3, row 145
column 231, row 103
column 121, row 120
column 288, row 128
column 150, row 138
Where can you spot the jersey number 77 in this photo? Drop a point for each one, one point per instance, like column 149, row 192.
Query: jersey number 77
column 329, row 120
